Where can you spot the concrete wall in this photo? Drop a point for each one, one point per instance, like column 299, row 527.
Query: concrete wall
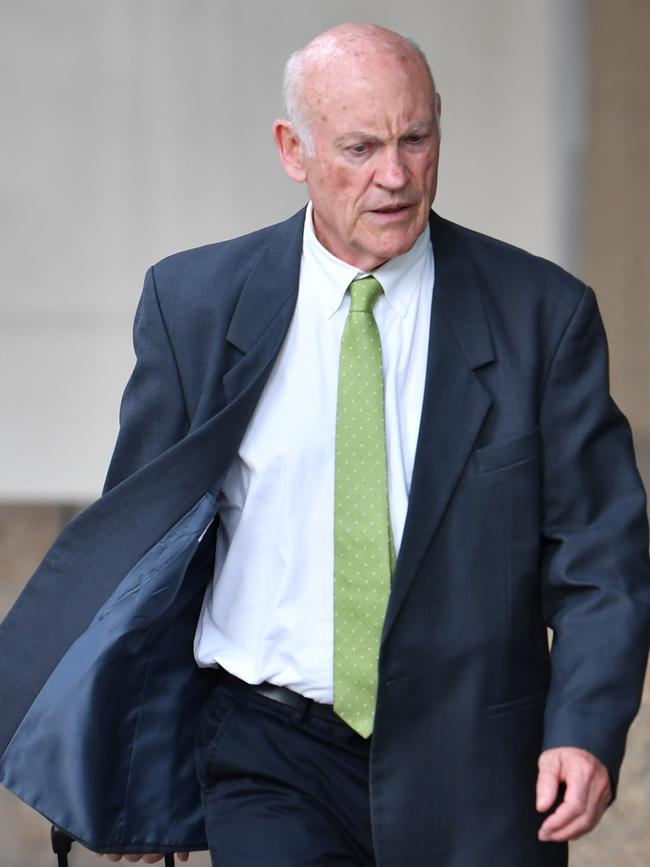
column 134, row 129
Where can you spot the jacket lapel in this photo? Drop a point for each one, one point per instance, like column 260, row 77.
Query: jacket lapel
column 454, row 405
column 265, row 307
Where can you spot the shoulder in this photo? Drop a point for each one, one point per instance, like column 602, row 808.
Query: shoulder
column 529, row 302
column 230, row 260
column 510, row 271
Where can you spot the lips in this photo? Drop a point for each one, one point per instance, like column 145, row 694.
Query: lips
column 392, row 209
column 389, row 215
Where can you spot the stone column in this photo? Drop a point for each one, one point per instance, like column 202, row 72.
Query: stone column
column 617, row 265
column 617, row 240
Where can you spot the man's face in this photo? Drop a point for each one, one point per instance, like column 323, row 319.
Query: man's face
column 373, row 171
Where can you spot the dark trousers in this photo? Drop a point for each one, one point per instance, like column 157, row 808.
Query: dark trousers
column 281, row 787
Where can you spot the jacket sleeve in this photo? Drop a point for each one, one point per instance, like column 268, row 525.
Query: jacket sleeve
column 153, row 413
column 595, row 570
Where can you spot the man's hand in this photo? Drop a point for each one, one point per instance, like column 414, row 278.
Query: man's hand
column 586, row 797
column 146, row 859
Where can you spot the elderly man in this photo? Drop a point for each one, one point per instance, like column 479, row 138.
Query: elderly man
column 366, row 459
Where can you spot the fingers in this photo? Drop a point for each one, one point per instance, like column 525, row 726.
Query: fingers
column 183, row 856
column 548, row 780
column 151, row 858
column 586, row 795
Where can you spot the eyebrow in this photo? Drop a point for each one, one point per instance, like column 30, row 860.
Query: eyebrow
column 419, row 126
column 357, row 135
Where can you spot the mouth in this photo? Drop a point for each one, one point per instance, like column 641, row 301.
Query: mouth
column 398, row 208
column 389, row 214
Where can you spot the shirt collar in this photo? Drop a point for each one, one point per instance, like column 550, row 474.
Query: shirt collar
column 397, row 276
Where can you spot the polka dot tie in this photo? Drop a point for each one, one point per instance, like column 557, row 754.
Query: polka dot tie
column 363, row 546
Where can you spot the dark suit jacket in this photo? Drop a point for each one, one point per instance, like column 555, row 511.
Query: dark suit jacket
column 526, row 512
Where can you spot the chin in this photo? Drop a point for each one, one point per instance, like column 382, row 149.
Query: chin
column 394, row 247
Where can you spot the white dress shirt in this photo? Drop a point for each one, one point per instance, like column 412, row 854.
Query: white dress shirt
column 268, row 613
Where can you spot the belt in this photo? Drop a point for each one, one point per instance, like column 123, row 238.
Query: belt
column 283, row 695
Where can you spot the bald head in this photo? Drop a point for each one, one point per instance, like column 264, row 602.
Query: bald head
column 346, row 48
column 362, row 132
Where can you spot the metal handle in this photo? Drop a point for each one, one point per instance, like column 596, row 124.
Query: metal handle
column 61, row 845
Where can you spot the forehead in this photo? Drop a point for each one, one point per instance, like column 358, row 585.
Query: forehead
column 369, row 88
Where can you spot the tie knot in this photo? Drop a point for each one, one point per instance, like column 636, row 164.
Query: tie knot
column 363, row 294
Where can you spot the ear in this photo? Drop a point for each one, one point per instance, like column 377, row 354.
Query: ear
column 290, row 149
column 438, row 107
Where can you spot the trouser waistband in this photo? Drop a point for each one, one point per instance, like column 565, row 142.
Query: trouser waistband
column 283, row 695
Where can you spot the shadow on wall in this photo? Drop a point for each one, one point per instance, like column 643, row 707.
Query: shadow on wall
column 26, row 532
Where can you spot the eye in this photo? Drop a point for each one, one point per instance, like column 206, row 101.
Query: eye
column 414, row 139
column 359, row 149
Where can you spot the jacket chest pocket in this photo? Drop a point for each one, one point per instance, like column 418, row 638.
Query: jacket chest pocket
column 503, row 455
column 509, row 477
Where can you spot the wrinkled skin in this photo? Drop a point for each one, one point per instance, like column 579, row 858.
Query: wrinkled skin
column 373, row 167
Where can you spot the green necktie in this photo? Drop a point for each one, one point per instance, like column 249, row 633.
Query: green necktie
column 363, row 546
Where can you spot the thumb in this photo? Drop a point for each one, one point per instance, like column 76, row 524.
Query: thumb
column 548, row 780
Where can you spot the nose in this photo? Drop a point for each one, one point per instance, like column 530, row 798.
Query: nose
column 391, row 173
